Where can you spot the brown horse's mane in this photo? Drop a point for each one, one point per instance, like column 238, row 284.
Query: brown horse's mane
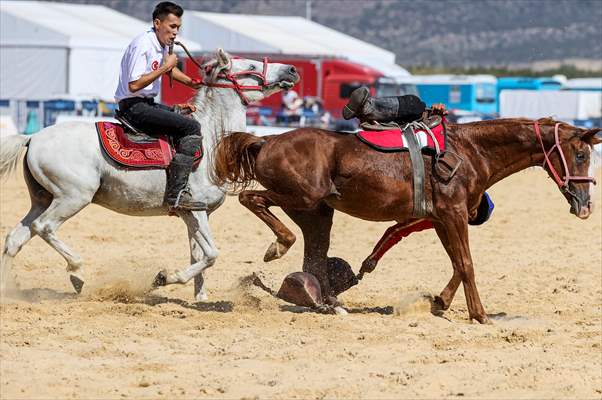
column 485, row 132
column 501, row 122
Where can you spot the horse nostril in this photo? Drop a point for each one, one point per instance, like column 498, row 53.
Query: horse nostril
column 292, row 70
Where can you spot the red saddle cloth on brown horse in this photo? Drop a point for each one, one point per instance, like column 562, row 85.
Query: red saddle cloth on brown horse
column 137, row 151
column 392, row 139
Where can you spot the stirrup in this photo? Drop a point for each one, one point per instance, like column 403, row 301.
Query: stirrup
column 192, row 206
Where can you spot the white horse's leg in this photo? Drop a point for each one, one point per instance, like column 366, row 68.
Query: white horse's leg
column 203, row 253
column 46, row 225
column 15, row 240
column 196, row 255
column 22, row 233
column 199, row 288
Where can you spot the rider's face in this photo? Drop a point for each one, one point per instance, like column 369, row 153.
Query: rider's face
column 167, row 29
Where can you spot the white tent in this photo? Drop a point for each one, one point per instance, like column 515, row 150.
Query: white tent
column 583, row 84
column 284, row 35
column 563, row 105
column 7, row 126
column 49, row 49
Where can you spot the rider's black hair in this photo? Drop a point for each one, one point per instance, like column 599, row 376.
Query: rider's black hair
column 163, row 9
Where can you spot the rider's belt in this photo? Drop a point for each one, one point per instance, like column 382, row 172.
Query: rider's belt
column 130, row 101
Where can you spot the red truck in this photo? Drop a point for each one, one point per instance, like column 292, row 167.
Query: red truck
column 330, row 79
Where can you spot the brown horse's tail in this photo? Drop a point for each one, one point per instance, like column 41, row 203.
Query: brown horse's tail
column 234, row 161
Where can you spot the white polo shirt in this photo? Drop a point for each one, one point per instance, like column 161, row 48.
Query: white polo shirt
column 142, row 56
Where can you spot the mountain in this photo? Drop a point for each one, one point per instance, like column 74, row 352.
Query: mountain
column 503, row 33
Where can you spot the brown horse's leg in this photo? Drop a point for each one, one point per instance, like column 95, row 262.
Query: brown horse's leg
column 258, row 202
column 444, row 300
column 315, row 225
column 454, row 226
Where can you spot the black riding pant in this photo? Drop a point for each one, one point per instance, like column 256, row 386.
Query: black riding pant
column 158, row 119
column 410, row 108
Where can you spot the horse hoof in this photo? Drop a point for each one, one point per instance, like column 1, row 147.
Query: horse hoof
column 275, row 251
column 340, row 311
column 160, row 279
column 202, row 296
column 77, row 283
column 481, row 320
column 438, row 304
column 325, row 309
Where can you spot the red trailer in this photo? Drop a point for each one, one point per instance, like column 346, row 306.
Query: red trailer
column 330, row 79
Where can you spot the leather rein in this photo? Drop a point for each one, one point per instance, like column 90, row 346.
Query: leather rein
column 563, row 183
column 232, row 77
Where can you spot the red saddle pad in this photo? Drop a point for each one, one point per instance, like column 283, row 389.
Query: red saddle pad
column 155, row 153
column 393, row 140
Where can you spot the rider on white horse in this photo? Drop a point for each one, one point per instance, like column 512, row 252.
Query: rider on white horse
column 145, row 60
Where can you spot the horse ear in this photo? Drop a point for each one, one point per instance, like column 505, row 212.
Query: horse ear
column 223, row 58
column 592, row 136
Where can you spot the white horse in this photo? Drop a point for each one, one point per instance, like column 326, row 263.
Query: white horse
column 65, row 170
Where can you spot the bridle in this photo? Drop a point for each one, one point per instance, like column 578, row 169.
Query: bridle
column 234, row 84
column 232, row 77
column 563, row 183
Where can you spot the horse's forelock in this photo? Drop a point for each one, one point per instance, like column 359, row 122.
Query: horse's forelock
column 546, row 121
column 211, row 68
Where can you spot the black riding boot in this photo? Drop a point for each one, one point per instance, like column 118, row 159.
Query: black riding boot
column 177, row 194
column 383, row 109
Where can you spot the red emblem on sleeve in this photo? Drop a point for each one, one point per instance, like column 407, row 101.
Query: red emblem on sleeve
column 155, row 65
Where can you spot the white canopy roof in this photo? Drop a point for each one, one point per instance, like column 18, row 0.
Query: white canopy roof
column 38, row 23
column 283, row 35
column 583, row 84
column 453, row 79
column 51, row 48
column 563, row 105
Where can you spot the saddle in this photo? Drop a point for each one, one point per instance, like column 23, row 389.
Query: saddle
column 427, row 135
column 132, row 148
column 388, row 137
column 432, row 121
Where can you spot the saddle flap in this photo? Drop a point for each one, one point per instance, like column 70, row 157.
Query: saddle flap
column 137, row 150
column 146, row 153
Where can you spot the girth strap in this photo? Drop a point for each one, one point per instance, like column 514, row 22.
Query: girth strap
column 418, row 174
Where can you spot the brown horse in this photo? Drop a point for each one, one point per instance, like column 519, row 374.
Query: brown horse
column 310, row 172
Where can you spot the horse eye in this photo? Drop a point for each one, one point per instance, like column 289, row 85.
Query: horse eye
column 252, row 67
column 580, row 156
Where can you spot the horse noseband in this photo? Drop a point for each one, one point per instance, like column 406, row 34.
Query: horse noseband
column 563, row 184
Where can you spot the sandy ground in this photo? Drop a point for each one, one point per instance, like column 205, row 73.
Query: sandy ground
column 539, row 270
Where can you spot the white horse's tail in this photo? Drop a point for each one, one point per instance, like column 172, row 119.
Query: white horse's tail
column 11, row 147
